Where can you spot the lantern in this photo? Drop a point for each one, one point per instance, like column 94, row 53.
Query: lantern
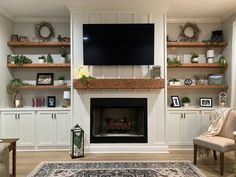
column 77, row 142
column 223, row 99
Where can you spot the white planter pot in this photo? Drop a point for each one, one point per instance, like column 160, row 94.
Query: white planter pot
column 61, row 82
column 195, row 60
column 186, row 104
column 177, row 83
column 62, row 60
column 40, row 61
column 171, row 83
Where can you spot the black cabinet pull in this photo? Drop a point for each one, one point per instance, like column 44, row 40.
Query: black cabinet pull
column 52, row 115
column 18, row 115
column 15, row 115
column 55, row 115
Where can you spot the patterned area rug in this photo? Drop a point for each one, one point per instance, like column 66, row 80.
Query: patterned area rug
column 117, row 169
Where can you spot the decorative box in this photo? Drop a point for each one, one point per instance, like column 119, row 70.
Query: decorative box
column 216, row 79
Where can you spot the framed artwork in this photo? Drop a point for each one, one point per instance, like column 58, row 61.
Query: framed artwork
column 51, row 101
column 175, row 101
column 205, row 102
column 44, row 79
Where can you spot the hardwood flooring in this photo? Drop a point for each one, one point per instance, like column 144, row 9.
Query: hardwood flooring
column 27, row 161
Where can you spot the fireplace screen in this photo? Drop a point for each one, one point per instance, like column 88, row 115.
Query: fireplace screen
column 118, row 120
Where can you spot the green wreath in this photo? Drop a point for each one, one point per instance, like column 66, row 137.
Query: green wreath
column 194, row 37
column 38, row 31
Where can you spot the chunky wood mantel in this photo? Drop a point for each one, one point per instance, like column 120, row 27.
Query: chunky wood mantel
column 118, row 84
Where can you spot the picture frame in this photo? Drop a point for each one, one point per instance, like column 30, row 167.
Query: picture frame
column 45, row 79
column 51, row 101
column 205, row 102
column 175, row 101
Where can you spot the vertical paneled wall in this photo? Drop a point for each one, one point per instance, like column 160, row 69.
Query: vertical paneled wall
column 156, row 101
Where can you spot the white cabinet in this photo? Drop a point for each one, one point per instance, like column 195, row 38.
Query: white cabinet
column 18, row 124
column 205, row 120
column 182, row 126
column 53, row 128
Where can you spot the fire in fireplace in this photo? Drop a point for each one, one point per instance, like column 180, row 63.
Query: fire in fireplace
column 118, row 120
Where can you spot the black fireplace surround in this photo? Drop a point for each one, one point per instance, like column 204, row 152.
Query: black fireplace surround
column 118, row 120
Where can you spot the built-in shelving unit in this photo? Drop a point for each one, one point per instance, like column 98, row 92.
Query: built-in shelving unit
column 53, row 65
column 196, row 44
column 119, row 84
column 38, row 44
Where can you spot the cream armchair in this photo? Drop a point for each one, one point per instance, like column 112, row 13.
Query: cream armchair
column 223, row 142
column 4, row 160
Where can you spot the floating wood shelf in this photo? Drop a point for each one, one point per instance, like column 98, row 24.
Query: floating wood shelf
column 38, row 44
column 119, row 84
column 198, row 87
column 39, row 65
column 197, row 65
column 196, row 44
column 55, row 87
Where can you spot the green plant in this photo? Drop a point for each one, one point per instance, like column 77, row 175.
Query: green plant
column 42, row 57
column 173, row 61
column 194, row 55
column 21, row 59
column 63, row 52
column 175, row 80
column 185, row 100
column 61, row 78
column 49, row 58
column 222, row 60
column 13, row 85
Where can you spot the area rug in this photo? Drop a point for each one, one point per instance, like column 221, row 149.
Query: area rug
column 117, row 169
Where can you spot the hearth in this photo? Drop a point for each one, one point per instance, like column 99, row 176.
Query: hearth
column 118, row 120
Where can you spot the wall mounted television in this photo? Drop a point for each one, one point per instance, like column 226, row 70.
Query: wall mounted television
column 118, row 44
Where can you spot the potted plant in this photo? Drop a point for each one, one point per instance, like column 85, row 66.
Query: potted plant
column 49, row 58
column 222, row 60
column 64, row 54
column 185, row 101
column 21, row 59
column 176, row 81
column 194, row 58
column 61, row 80
column 41, row 59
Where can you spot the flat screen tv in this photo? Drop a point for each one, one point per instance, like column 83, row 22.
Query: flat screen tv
column 118, row 44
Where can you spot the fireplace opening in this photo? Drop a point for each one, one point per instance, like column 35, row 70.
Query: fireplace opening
column 118, row 120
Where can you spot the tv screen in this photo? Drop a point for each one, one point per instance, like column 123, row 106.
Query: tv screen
column 118, row 44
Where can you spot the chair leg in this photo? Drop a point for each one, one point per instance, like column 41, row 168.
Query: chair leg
column 221, row 163
column 214, row 154
column 194, row 154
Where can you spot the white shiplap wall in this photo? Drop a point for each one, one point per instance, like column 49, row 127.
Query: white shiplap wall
column 156, row 100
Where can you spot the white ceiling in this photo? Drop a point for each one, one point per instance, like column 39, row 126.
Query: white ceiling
column 215, row 9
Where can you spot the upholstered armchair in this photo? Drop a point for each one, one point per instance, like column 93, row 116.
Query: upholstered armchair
column 4, row 160
column 223, row 142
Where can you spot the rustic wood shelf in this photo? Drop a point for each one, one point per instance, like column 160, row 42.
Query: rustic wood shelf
column 54, row 65
column 197, row 65
column 38, row 44
column 119, row 84
column 198, row 87
column 196, row 44
column 28, row 87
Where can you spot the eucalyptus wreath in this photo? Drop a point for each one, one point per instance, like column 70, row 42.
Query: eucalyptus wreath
column 196, row 32
column 38, row 28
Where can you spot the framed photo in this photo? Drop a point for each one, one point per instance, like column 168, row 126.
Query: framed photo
column 44, row 79
column 205, row 102
column 51, row 101
column 175, row 101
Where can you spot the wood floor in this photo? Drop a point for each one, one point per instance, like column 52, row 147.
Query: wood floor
column 27, row 161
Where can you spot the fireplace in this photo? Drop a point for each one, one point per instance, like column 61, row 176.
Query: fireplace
column 118, row 120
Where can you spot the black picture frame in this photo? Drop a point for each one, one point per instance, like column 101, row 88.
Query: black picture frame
column 51, row 101
column 45, row 79
column 205, row 102
column 175, row 101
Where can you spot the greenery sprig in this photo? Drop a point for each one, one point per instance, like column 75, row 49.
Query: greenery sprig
column 13, row 85
column 21, row 59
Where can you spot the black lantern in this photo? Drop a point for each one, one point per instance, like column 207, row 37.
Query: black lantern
column 77, row 142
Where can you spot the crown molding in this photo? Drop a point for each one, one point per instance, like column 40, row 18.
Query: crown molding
column 39, row 19
column 195, row 20
column 6, row 13
column 228, row 14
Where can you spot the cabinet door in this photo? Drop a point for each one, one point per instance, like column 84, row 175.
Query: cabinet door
column 205, row 120
column 174, row 127
column 26, row 128
column 62, row 127
column 9, row 127
column 191, row 123
column 45, row 128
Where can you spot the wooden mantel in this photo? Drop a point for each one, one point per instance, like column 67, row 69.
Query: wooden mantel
column 118, row 84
